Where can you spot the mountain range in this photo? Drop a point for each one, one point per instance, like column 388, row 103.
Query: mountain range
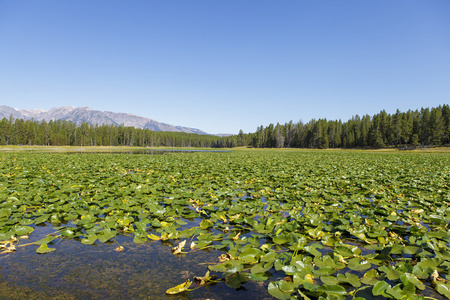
column 79, row 115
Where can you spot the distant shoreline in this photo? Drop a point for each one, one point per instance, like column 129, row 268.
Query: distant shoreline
column 9, row 148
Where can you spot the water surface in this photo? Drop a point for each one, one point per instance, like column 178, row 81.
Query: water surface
column 141, row 271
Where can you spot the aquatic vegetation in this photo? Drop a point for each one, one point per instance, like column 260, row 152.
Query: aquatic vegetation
column 336, row 225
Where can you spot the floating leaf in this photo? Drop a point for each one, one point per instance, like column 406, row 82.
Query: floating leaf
column 179, row 248
column 236, row 280
column 443, row 289
column 140, row 239
column 411, row 249
column 67, row 232
column 357, row 264
column 22, row 230
column 105, row 235
column 41, row 219
column 179, row 288
column 379, row 288
column 153, row 237
column 410, row 278
column 313, row 249
column 350, row 279
column 275, row 289
column 261, row 267
column 391, row 272
column 370, row 277
column 45, row 240
column 203, row 280
column 258, row 277
column 329, row 280
column 250, row 255
column 282, row 238
column 119, row 249
column 335, row 290
column 89, row 240
column 43, row 248
column 205, row 224
column 229, row 267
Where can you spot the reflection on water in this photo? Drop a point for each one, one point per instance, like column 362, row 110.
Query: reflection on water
column 141, row 271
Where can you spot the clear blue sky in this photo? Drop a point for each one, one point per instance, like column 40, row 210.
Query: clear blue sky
column 221, row 66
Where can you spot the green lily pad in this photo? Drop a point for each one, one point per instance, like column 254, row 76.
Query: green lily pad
column 89, row 240
column 349, row 278
column 443, row 289
column 329, row 280
column 379, row 288
column 228, row 267
column 279, row 290
column 370, row 277
column 236, row 280
column 250, row 255
column 357, row 264
column 106, row 235
column 410, row 278
column 333, row 290
column 43, row 248
column 22, row 230
column 45, row 240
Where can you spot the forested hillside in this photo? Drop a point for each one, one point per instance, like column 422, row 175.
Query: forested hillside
column 412, row 128
column 67, row 133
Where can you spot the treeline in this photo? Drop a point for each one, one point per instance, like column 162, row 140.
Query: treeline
column 67, row 133
column 411, row 128
column 424, row 127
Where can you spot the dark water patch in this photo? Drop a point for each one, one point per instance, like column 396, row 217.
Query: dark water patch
column 141, row 271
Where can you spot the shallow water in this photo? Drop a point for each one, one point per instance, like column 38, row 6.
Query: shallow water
column 141, row 271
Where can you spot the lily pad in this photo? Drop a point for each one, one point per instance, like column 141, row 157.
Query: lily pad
column 179, row 288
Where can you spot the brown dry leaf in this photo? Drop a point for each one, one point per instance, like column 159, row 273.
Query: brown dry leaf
column 341, row 258
column 119, row 249
column 225, row 221
column 192, row 245
column 9, row 249
column 235, row 217
column 395, row 236
column 434, row 276
column 225, row 257
column 203, row 280
column 179, row 249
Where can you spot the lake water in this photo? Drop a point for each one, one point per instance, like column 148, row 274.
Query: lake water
column 141, row 271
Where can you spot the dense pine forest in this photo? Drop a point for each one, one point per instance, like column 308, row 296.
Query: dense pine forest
column 67, row 133
column 424, row 127
column 412, row 128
